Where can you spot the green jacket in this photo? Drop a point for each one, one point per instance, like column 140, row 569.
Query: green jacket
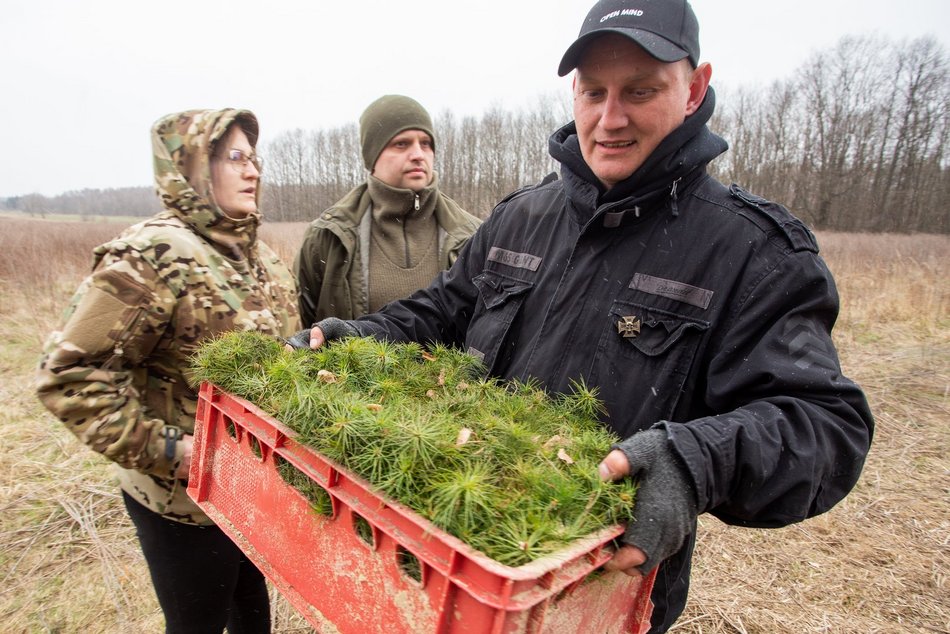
column 331, row 265
column 117, row 372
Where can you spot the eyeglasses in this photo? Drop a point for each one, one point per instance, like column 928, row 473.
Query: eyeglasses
column 239, row 160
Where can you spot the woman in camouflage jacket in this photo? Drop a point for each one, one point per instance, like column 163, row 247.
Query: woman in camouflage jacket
column 117, row 372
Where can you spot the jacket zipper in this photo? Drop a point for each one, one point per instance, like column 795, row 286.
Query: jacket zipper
column 673, row 205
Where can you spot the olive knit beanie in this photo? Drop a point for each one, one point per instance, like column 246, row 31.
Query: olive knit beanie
column 385, row 118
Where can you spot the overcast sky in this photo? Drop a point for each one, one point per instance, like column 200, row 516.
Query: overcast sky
column 82, row 81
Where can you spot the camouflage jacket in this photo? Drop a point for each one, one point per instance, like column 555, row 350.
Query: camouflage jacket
column 116, row 373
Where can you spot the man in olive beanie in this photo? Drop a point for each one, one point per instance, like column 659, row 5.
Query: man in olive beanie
column 385, row 118
column 390, row 235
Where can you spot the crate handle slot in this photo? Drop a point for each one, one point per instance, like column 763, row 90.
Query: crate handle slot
column 363, row 529
column 256, row 447
column 319, row 499
column 410, row 565
column 230, row 427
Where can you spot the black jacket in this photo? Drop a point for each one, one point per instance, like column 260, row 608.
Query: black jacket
column 728, row 310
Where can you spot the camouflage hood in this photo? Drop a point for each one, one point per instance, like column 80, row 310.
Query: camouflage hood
column 182, row 145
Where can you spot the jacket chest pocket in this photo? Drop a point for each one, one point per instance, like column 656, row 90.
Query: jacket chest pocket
column 644, row 356
column 499, row 300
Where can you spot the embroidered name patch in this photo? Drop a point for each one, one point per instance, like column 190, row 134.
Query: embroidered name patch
column 517, row 260
column 685, row 293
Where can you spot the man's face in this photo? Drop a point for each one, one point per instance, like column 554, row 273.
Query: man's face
column 406, row 161
column 626, row 102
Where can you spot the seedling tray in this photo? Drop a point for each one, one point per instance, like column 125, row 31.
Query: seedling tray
column 370, row 564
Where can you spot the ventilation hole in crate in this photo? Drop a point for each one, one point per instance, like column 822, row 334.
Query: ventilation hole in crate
column 320, row 501
column 409, row 564
column 256, row 448
column 229, row 425
column 363, row 529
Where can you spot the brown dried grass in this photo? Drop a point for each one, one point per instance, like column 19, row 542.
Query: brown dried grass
column 878, row 562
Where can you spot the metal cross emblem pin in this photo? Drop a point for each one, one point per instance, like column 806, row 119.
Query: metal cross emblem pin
column 628, row 327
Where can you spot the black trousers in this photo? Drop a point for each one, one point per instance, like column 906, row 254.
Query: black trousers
column 203, row 581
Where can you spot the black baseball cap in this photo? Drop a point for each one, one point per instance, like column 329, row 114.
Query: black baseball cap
column 666, row 29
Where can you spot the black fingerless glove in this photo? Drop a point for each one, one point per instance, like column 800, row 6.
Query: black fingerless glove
column 334, row 328
column 665, row 507
column 300, row 340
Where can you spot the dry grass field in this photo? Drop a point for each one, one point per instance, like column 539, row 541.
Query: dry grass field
column 879, row 562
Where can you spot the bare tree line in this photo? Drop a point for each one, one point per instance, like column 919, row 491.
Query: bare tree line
column 88, row 203
column 855, row 140
column 478, row 159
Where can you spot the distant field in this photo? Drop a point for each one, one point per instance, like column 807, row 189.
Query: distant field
column 878, row 562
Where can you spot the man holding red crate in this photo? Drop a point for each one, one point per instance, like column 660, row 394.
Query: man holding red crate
column 701, row 313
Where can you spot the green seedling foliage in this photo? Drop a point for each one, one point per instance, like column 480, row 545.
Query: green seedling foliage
column 518, row 537
column 507, row 468
column 582, row 402
column 384, row 388
column 420, row 436
column 348, row 428
column 372, row 462
column 511, row 441
column 403, row 481
column 464, row 498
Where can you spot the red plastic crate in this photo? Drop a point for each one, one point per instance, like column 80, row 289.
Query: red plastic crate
column 377, row 566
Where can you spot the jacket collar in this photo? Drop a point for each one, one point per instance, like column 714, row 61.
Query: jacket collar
column 397, row 203
column 343, row 218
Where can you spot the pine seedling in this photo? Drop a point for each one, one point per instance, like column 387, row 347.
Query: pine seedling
column 421, row 436
column 515, row 539
column 531, row 396
column 510, row 441
column 616, row 501
column 455, row 368
column 463, row 499
column 582, row 402
column 358, row 358
column 254, row 386
column 554, row 491
column 233, row 354
column 410, row 367
column 284, row 372
column 372, row 462
column 462, row 403
column 592, row 444
column 350, row 426
column 308, row 406
column 385, row 356
column 384, row 388
column 402, row 482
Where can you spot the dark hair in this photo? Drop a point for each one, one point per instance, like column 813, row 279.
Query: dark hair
column 249, row 126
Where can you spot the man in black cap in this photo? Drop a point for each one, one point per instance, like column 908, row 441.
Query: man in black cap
column 702, row 314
